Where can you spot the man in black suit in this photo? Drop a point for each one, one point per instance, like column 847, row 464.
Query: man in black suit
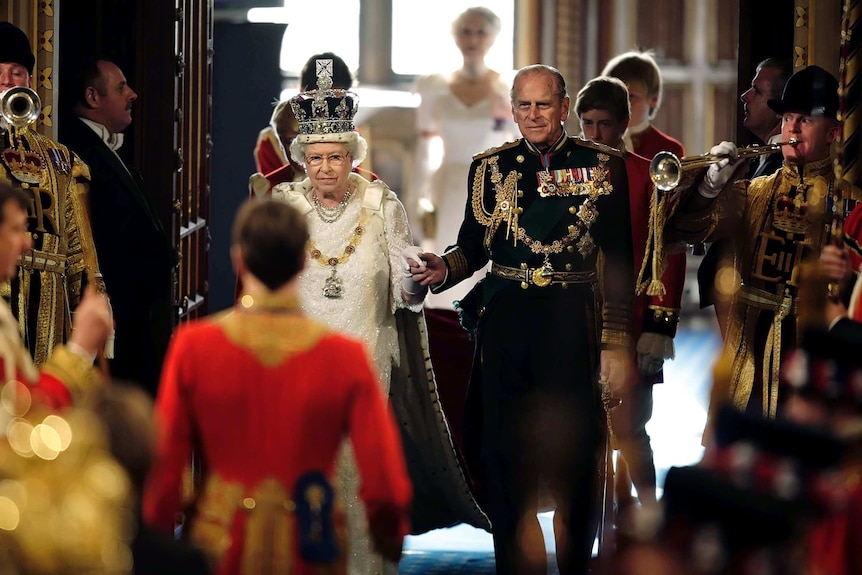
column 136, row 254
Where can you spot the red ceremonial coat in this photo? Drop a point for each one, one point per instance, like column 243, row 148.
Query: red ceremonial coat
column 652, row 141
column 657, row 314
column 267, row 152
column 272, row 395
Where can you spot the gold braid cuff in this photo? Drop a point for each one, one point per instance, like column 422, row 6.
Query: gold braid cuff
column 456, row 261
column 615, row 338
column 78, row 375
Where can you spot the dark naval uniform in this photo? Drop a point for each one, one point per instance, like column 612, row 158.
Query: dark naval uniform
column 52, row 275
column 541, row 319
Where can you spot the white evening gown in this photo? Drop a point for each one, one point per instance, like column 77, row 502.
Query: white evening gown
column 464, row 131
column 371, row 284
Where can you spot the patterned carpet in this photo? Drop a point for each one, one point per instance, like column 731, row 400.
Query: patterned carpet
column 447, row 563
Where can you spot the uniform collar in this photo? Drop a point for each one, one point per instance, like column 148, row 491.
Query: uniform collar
column 804, row 172
column 555, row 147
column 113, row 141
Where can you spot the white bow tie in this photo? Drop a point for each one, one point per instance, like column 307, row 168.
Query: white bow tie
column 113, row 141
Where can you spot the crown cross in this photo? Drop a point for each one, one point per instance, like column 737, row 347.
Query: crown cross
column 324, row 110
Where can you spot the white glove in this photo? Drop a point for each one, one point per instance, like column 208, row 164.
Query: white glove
column 408, row 284
column 721, row 171
column 258, row 185
column 653, row 349
column 411, row 253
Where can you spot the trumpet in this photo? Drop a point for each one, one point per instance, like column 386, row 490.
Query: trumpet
column 666, row 168
column 20, row 106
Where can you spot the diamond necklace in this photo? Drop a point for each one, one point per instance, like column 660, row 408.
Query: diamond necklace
column 330, row 215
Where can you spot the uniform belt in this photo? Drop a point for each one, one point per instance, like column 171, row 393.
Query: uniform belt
column 529, row 276
column 42, row 261
column 761, row 299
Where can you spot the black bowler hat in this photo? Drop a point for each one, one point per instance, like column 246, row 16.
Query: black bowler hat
column 811, row 91
column 15, row 47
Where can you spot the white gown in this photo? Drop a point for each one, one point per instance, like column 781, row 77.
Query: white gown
column 371, row 284
column 464, row 131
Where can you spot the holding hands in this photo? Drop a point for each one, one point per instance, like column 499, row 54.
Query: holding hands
column 410, row 260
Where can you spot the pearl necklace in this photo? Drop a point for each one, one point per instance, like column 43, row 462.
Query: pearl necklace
column 330, row 215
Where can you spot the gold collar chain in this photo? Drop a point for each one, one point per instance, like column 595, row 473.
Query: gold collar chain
column 586, row 216
column 333, row 287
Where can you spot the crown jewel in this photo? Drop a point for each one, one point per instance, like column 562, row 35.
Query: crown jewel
column 325, row 110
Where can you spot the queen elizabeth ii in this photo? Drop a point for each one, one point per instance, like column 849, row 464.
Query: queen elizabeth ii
column 358, row 252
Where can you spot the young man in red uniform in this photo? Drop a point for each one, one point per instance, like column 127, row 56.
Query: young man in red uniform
column 68, row 374
column 602, row 107
column 266, row 397
column 642, row 77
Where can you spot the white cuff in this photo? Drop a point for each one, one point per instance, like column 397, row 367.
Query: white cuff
column 76, row 349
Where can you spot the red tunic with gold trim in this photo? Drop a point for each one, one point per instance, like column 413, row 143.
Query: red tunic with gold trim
column 265, row 397
column 655, row 314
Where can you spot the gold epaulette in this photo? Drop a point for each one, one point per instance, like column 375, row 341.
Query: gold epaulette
column 80, row 169
column 596, row 146
column 491, row 151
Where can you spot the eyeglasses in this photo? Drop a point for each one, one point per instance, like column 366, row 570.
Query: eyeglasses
column 333, row 159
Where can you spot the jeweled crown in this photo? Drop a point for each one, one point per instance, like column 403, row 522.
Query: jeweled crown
column 325, row 110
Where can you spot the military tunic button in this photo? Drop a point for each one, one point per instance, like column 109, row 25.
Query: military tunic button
column 519, row 158
column 35, row 236
column 568, row 267
column 570, row 249
column 564, row 285
column 524, row 285
column 523, row 265
column 25, row 186
column 572, row 209
column 519, row 211
column 248, row 503
column 520, row 193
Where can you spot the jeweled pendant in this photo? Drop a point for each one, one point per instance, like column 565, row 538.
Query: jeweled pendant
column 547, row 186
column 332, row 287
column 542, row 276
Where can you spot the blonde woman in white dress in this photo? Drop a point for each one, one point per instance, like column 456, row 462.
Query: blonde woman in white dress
column 469, row 110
